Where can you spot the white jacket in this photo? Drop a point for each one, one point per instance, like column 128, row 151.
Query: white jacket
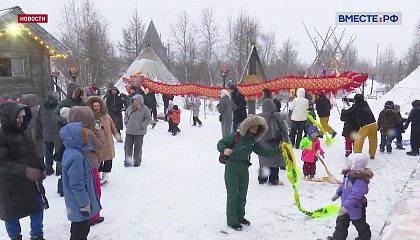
column 299, row 106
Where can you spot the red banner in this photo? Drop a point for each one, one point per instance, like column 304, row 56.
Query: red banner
column 346, row 81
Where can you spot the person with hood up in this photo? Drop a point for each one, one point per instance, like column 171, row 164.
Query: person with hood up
column 354, row 187
column 115, row 106
column 399, row 127
column 107, row 152
column 239, row 114
column 387, row 121
column 311, row 147
column 251, row 130
column 21, row 173
column 196, row 111
column 414, row 119
column 47, row 129
column 276, row 122
column 80, row 197
column 168, row 112
column 323, row 109
column 361, row 114
column 299, row 107
column 137, row 118
column 226, row 107
column 166, row 98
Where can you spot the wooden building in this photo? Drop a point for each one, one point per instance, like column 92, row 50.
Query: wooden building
column 25, row 56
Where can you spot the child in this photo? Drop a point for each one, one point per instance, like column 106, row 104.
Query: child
column 350, row 130
column 176, row 119
column 310, row 146
column 79, row 188
column 414, row 118
column 353, row 201
column 196, row 111
column 311, row 112
column 399, row 127
column 387, row 121
column 168, row 112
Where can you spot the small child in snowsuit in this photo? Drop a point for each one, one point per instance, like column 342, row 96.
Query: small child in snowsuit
column 399, row 127
column 311, row 146
column 175, row 119
column 311, row 112
column 350, row 130
column 353, row 201
column 169, row 110
column 387, row 121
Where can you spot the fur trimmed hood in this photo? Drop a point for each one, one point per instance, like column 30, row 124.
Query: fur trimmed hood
column 366, row 174
column 254, row 120
column 93, row 99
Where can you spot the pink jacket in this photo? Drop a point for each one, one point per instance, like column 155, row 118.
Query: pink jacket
column 309, row 149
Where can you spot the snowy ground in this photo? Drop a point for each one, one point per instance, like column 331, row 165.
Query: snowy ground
column 178, row 192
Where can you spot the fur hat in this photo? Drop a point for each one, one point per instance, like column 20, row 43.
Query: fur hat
column 359, row 161
column 224, row 92
column 52, row 95
column 358, row 98
column 389, row 105
column 85, row 136
column 397, row 107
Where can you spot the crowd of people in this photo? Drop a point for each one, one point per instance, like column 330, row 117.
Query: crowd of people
column 78, row 133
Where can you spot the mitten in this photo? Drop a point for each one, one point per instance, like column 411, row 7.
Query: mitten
column 342, row 211
column 118, row 137
column 335, row 197
column 85, row 210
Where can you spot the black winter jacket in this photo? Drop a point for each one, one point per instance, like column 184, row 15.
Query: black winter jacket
column 360, row 113
column 323, row 106
column 240, row 113
column 414, row 118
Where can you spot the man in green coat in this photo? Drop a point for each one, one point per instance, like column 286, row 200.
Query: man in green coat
column 236, row 168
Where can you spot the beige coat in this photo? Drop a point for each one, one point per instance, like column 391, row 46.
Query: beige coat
column 108, row 127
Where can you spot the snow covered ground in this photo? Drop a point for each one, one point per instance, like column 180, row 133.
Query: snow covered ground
column 178, row 192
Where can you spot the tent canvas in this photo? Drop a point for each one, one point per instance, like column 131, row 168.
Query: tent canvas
column 151, row 66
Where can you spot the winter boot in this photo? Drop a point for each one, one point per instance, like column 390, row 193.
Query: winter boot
column 49, row 171
column 97, row 221
column 104, row 179
column 17, row 237
column 60, row 187
column 399, row 146
column 237, row 227
column 411, row 153
column 39, row 237
column 245, row 222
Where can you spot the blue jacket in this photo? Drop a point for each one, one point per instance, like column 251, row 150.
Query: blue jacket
column 78, row 183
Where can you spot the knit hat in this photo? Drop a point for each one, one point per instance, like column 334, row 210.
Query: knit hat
column 396, row 107
column 53, row 96
column 85, row 136
column 358, row 161
column 389, row 105
column 175, row 107
column 313, row 129
column 225, row 92
column 358, row 98
column 64, row 112
column 233, row 87
column 415, row 103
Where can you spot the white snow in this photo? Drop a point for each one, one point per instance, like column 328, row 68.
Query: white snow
column 178, row 192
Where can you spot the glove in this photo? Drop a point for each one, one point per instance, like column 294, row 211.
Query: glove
column 34, row 174
column 335, row 197
column 342, row 211
column 85, row 210
column 118, row 137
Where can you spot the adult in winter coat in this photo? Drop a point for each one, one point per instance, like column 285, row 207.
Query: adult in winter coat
column 361, row 114
column 323, row 108
column 240, row 113
column 414, row 119
column 387, row 121
column 80, row 197
column 196, row 111
column 151, row 96
column 352, row 191
column 74, row 98
column 107, row 152
column 299, row 107
column 131, row 92
column 85, row 115
column 251, row 130
column 276, row 122
column 166, row 99
column 114, row 104
column 226, row 107
column 137, row 118
column 32, row 101
column 21, row 173
column 48, row 131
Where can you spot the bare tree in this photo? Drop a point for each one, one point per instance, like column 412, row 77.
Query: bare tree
column 350, row 59
column 133, row 35
column 85, row 32
column 288, row 62
column 184, row 35
column 209, row 34
column 242, row 33
column 388, row 66
column 266, row 46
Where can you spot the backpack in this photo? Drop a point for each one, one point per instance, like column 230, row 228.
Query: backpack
column 222, row 156
column 274, row 133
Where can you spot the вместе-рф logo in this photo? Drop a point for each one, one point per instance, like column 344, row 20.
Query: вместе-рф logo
column 368, row 18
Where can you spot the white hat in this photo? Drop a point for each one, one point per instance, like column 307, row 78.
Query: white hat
column 22, row 113
column 64, row 112
column 225, row 92
column 359, row 161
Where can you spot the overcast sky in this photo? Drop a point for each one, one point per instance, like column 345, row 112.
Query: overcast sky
column 284, row 17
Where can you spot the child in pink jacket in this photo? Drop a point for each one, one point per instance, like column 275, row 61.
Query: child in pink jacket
column 310, row 146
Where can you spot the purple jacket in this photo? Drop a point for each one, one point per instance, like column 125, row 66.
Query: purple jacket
column 170, row 108
column 352, row 191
